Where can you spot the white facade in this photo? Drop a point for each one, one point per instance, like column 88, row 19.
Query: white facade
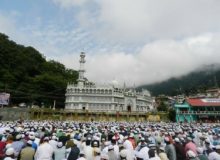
column 88, row 96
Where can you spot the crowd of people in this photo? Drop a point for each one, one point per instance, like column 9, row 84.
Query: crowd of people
column 69, row 140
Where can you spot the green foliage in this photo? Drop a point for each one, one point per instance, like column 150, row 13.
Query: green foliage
column 198, row 81
column 162, row 106
column 28, row 77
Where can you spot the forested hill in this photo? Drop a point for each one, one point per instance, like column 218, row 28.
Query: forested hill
column 29, row 78
column 198, row 81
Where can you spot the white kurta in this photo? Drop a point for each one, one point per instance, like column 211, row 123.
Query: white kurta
column 44, row 152
column 89, row 152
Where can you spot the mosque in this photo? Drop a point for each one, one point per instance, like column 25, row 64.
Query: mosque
column 87, row 96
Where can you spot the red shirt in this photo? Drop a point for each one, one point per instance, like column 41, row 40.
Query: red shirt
column 2, row 147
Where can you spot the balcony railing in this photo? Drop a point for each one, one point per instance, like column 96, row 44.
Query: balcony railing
column 199, row 112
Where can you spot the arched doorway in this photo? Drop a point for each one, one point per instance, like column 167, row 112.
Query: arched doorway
column 129, row 108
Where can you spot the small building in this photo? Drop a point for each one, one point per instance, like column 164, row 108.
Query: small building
column 214, row 92
column 198, row 109
column 87, row 96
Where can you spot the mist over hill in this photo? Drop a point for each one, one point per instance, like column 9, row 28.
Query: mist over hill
column 198, row 81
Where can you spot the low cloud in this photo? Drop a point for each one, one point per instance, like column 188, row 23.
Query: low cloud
column 156, row 61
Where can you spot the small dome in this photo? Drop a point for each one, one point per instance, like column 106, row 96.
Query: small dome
column 115, row 83
column 146, row 93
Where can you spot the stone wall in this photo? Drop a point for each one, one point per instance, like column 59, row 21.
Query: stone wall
column 49, row 114
column 7, row 114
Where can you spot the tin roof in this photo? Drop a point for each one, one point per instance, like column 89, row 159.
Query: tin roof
column 204, row 102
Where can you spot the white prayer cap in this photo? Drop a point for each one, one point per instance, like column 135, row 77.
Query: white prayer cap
column 54, row 137
column 191, row 154
column 131, row 135
column 142, row 139
column 18, row 136
column 189, row 138
column 8, row 145
column 123, row 153
column 10, row 151
column 29, row 142
column 162, row 148
column 110, row 147
column 32, row 137
column 120, row 141
column 46, row 139
column 207, row 141
column 89, row 138
column 217, row 147
column 19, row 129
column 104, row 156
column 200, row 150
column 177, row 140
column 107, row 143
column 151, row 145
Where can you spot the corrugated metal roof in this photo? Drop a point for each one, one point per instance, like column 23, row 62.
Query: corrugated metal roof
column 204, row 102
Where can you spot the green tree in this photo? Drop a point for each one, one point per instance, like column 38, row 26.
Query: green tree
column 28, row 77
column 172, row 114
column 162, row 106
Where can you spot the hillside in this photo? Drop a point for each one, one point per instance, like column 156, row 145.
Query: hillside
column 198, row 81
column 28, row 77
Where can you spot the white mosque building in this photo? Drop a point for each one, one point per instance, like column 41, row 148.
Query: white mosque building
column 87, row 96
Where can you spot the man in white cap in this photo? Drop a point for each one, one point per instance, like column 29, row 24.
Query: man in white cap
column 128, row 145
column 34, row 144
column 10, row 154
column 190, row 145
column 111, row 153
column 60, row 152
column 170, row 149
column 152, row 155
column 126, row 154
column 141, row 150
column 162, row 154
column 201, row 156
column 180, row 153
column 123, row 154
column 44, row 151
column 191, row 155
column 17, row 145
column 88, row 150
column 53, row 142
column 215, row 155
column 81, row 156
column 104, row 157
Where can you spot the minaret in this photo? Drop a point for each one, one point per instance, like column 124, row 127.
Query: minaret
column 81, row 78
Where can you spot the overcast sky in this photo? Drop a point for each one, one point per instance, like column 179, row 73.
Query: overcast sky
column 132, row 41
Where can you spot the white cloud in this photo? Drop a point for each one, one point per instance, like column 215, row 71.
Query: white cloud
column 131, row 21
column 156, row 61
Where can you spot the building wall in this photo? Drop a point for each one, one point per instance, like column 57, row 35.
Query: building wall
column 105, row 99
